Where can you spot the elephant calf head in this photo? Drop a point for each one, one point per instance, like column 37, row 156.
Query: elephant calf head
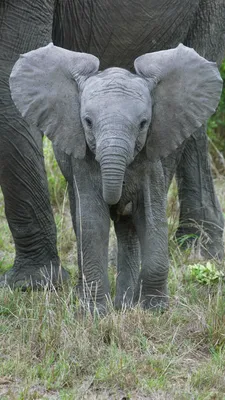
column 115, row 112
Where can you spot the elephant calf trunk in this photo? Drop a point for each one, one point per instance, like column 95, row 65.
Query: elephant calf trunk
column 113, row 169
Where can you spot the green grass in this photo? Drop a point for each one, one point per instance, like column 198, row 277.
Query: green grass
column 47, row 353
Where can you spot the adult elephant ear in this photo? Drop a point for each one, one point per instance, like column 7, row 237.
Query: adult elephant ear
column 186, row 89
column 44, row 88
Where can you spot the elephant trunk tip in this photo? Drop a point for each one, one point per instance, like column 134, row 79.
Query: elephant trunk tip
column 112, row 197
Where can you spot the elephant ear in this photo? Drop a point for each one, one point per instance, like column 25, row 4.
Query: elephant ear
column 186, row 89
column 44, row 88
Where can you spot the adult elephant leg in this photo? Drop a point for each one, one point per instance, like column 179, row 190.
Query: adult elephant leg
column 128, row 261
column 92, row 222
column 28, row 211
column 151, row 224
column 25, row 25
column 169, row 165
column 200, row 213
column 200, row 209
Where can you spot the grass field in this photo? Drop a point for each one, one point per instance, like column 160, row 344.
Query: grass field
column 46, row 353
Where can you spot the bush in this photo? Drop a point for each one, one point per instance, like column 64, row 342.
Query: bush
column 216, row 124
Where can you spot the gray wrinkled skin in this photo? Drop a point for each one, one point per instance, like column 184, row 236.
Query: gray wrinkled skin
column 127, row 122
column 117, row 32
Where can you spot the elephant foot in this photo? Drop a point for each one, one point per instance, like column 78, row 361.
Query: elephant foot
column 34, row 276
column 124, row 300
column 155, row 300
column 206, row 244
column 90, row 300
column 85, row 309
column 155, row 303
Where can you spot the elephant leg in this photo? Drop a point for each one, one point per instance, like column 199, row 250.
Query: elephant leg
column 200, row 210
column 27, row 206
column 200, row 213
column 25, row 25
column 128, row 261
column 91, row 221
column 169, row 165
column 151, row 225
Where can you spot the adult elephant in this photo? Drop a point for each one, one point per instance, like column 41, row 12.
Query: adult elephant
column 117, row 32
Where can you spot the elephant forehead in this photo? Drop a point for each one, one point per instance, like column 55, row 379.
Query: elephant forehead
column 116, row 82
column 116, row 105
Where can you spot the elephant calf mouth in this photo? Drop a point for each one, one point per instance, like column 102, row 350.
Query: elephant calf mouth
column 116, row 211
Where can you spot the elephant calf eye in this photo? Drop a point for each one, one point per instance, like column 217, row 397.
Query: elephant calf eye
column 143, row 124
column 88, row 122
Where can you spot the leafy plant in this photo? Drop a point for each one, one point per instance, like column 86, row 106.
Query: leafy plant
column 205, row 274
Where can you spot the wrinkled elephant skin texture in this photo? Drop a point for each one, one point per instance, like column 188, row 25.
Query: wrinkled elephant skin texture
column 117, row 170
column 24, row 26
column 117, row 32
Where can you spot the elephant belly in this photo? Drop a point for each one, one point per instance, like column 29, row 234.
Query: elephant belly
column 118, row 31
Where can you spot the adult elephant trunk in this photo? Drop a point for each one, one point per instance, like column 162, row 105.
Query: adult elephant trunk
column 114, row 157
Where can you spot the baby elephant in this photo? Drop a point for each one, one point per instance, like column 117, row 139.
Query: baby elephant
column 110, row 130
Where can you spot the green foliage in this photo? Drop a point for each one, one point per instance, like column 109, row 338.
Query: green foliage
column 205, row 274
column 216, row 124
column 56, row 182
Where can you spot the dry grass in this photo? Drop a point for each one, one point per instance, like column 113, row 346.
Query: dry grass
column 47, row 353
